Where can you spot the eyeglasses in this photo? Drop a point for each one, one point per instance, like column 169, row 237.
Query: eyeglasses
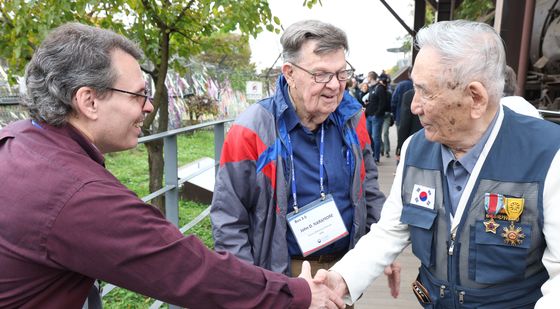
column 146, row 96
column 325, row 77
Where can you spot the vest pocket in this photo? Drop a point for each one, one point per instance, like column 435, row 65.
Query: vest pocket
column 492, row 260
column 420, row 221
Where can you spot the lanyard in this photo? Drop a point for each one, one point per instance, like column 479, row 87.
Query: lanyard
column 321, row 167
column 35, row 124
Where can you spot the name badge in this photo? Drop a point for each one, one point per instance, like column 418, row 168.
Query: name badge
column 317, row 225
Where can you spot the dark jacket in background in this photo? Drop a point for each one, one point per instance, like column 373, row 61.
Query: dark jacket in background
column 378, row 101
column 409, row 123
column 358, row 94
column 397, row 98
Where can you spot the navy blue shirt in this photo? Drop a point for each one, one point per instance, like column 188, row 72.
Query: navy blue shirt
column 337, row 173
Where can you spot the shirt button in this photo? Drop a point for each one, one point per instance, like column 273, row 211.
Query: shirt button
column 458, row 188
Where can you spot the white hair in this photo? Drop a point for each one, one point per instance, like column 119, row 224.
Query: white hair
column 470, row 51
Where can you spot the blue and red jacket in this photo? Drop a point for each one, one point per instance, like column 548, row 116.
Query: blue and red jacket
column 250, row 199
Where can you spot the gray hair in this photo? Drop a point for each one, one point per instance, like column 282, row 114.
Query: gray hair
column 71, row 56
column 329, row 38
column 470, row 51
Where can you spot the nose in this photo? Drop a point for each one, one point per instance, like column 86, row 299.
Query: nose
column 334, row 83
column 416, row 107
column 148, row 106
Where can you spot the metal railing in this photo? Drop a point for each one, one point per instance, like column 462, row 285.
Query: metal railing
column 553, row 116
column 172, row 182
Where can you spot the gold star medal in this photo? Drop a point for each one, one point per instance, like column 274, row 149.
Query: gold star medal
column 513, row 235
column 493, row 203
column 491, row 226
column 514, row 208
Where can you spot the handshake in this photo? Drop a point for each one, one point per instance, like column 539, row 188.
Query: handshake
column 328, row 287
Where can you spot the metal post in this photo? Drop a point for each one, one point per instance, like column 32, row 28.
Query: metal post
column 444, row 10
column 219, row 137
column 498, row 16
column 398, row 18
column 524, row 48
column 419, row 21
column 171, row 178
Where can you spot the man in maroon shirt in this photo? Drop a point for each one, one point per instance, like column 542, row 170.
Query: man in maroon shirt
column 65, row 219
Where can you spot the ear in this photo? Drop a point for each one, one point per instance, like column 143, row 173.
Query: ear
column 85, row 104
column 479, row 97
column 288, row 72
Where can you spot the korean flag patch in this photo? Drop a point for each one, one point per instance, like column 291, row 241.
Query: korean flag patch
column 423, row 196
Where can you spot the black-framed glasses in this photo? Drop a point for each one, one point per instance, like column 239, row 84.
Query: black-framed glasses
column 146, row 96
column 325, row 77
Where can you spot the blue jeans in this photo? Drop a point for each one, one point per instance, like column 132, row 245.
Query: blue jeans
column 385, row 129
column 377, row 124
column 369, row 125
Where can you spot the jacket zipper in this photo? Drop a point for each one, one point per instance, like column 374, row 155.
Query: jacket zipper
column 451, row 244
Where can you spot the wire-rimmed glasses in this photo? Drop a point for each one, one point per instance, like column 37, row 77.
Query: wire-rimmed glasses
column 325, row 77
column 146, row 95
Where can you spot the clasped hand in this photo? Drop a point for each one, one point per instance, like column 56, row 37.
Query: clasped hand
column 337, row 287
column 322, row 296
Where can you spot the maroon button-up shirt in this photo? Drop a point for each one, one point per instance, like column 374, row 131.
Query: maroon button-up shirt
column 65, row 219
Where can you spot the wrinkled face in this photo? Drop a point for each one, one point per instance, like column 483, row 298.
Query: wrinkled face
column 443, row 108
column 122, row 114
column 317, row 99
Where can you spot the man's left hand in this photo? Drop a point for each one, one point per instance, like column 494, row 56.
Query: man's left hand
column 393, row 273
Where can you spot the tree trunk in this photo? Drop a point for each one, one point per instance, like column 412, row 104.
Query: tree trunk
column 155, row 160
column 161, row 103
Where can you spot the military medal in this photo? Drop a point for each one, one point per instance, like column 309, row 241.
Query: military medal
column 491, row 226
column 493, row 203
column 513, row 235
column 514, row 208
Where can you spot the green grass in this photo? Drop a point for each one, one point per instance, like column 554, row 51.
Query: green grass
column 131, row 168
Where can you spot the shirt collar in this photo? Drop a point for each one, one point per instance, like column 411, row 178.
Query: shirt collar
column 290, row 116
column 82, row 142
column 468, row 161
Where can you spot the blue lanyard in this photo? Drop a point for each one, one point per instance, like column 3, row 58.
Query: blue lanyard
column 321, row 168
column 35, row 124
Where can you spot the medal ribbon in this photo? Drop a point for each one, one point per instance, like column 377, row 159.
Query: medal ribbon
column 493, row 203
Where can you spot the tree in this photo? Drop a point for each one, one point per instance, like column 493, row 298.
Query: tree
column 480, row 10
column 229, row 57
column 199, row 105
column 475, row 10
column 168, row 31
